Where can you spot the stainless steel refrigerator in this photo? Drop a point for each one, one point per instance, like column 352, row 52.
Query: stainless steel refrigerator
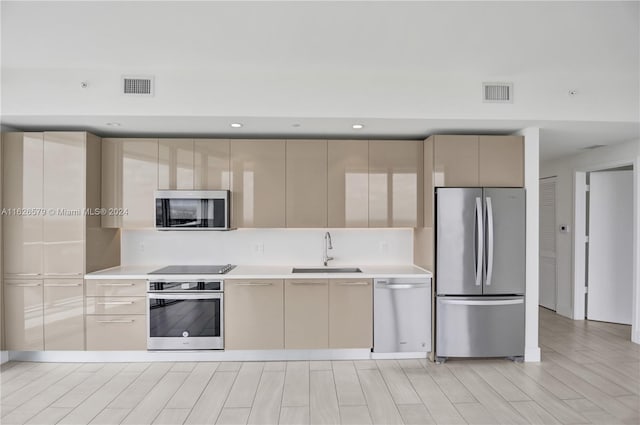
column 480, row 272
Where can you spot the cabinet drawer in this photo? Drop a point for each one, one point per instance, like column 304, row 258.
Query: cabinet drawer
column 116, row 333
column 116, row 288
column 116, row 305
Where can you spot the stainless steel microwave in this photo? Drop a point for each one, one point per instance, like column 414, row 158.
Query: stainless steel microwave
column 193, row 209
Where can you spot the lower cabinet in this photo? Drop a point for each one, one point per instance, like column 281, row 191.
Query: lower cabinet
column 254, row 314
column 63, row 314
column 23, row 315
column 116, row 314
column 350, row 313
column 306, row 313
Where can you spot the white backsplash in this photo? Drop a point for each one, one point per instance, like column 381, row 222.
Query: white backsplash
column 267, row 247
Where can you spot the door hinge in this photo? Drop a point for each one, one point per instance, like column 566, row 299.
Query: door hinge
column 587, row 188
column 586, row 239
column 586, row 289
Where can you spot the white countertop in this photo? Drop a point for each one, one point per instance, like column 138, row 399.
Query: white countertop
column 266, row 272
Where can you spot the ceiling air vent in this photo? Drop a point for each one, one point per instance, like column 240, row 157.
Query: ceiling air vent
column 137, row 85
column 497, row 92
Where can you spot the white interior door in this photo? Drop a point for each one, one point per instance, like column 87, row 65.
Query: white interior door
column 610, row 269
column 547, row 296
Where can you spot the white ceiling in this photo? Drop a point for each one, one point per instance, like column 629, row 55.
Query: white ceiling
column 403, row 69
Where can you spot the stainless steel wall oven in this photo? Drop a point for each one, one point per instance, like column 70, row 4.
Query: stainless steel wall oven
column 185, row 314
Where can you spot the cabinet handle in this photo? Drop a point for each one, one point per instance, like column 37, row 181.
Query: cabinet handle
column 24, row 284
column 63, row 274
column 353, row 283
column 253, row 284
column 62, row 285
column 116, row 303
column 26, row 274
column 115, row 284
column 115, row 321
column 308, row 283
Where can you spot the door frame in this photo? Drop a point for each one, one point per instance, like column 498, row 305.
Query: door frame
column 579, row 251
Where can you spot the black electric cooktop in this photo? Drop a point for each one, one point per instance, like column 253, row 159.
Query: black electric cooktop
column 197, row 269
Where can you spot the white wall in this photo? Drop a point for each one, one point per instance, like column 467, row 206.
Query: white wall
column 267, row 246
column 565, row 169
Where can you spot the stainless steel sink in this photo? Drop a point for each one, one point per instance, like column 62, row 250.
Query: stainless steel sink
column 327, row 270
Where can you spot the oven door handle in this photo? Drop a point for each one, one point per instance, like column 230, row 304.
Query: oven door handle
column 181, row 296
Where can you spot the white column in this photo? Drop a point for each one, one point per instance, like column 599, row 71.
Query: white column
column 635, row 320
column 532, row 187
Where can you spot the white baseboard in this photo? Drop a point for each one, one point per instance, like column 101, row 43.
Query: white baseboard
column 389, row 356
column 4, row 356
column 635, row 337
column 189, row 356
column 532, row 354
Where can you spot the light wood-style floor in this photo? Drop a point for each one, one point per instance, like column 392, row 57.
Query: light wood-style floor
column 590, row 373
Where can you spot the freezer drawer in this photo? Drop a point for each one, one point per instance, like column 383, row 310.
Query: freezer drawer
column 402, row 315
column 480, row 326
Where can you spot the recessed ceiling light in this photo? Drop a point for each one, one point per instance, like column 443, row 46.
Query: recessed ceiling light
column 114, row 124
column 236, row 125
column 357, row 126
column 296, row 125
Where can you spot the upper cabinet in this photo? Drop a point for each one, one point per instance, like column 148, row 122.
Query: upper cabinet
column 395, row 183
column 22, row 182
column 477, row 161
column 258, row 183
column 501, row 161
column 348, row 183
column 64, row 192
column 306, row 183
column 129, row 179
column 212, row 164
column 175, row 164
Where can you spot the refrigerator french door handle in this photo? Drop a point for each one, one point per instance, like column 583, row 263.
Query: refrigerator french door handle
column 479, row 242
column 489, row 240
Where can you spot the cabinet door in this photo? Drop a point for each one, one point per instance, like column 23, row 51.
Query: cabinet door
column 306, row 199
column 64, row 193
column 22, row 188
column 501, row 161
column 23, row 319
column 306, row 313
column 63, row 314
column 350, row 313
column 456, row 161
column 212, row 164
column 258, row 183
column 116, row 332
column 395, row 183
column 129, row 180
column 348, row 183
column 254, row 315
column 175, row 164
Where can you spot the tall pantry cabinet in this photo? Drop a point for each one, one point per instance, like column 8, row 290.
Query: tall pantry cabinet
column 52, row 236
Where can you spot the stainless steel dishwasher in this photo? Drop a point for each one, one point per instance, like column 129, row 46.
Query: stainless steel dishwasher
column 402, row 315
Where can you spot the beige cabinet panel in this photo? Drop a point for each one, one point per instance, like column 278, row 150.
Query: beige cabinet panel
column 23, row 317
column 429, row 190
column 395, row 183
column 348, row 183
column 22, row 182
column 306, row 313
column 124, row 332
column 212, row 164
column 116, row 305
column 258, row 183
column 63, row 314
column 175, row 164
column 116, row 288
column 350, row 313
column 456, row 161
column 501, row 161
column 64, row 192
column 306, row 175
column 254, row 314
column 129, row 180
